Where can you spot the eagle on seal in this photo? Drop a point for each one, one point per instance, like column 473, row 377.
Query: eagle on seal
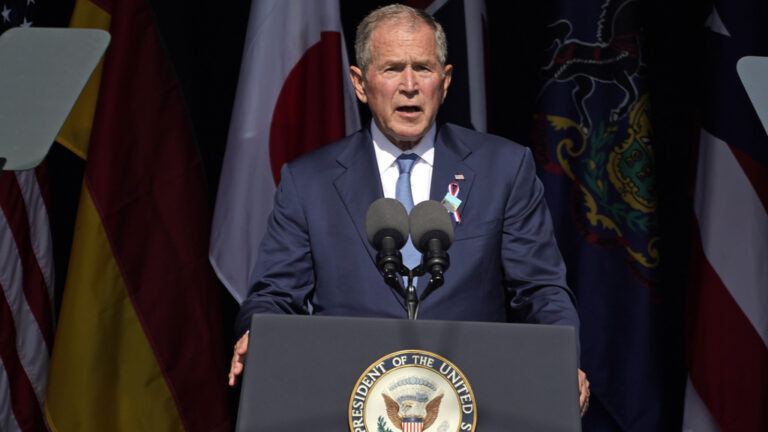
column 393, row 411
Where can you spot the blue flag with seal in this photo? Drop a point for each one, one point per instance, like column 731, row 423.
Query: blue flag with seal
column 594, row 149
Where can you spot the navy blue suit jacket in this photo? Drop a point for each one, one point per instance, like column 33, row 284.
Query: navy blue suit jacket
column 505, row 264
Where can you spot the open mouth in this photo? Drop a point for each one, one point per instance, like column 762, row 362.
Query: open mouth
column 408, row 109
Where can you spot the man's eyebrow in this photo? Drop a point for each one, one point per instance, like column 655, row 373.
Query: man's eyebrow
column 415, row 62
column 390, row 63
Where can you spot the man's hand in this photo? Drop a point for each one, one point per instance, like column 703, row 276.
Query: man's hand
column 238, row 359
column 583, row 391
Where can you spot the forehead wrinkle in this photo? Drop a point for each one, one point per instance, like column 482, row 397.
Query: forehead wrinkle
column 407, row 37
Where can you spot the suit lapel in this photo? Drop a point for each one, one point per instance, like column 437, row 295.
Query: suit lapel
column 450, row 154
column 360, row 184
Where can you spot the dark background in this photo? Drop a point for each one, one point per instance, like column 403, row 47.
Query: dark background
column 204, row 41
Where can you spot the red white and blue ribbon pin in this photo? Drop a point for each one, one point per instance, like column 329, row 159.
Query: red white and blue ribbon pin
column 452, row 202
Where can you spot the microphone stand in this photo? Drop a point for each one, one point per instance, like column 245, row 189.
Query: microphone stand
column 411, row 300
column 409, row 294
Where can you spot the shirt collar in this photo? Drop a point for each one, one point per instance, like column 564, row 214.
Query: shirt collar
column 386, row 152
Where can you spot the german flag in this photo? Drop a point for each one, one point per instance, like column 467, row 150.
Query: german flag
column 138, row 344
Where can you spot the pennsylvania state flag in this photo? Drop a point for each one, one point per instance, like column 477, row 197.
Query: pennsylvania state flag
column 594, row 147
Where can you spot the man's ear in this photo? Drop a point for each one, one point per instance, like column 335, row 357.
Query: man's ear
column 447, row 74
column 356, row 75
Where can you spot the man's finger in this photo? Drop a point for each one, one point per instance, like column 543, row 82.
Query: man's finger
column 235, row 361
column 241, row 347
column 235, row 369
column 583, row 392
column 238, row 356
column 232, row 371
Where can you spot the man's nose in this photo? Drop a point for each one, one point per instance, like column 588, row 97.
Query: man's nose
column 409, row 82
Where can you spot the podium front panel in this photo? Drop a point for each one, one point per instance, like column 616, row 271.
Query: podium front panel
column 301, row 370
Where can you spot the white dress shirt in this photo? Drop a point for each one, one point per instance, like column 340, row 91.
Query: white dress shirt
column 421, row 173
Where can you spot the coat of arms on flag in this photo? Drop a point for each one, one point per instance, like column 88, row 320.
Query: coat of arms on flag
column 601, row 140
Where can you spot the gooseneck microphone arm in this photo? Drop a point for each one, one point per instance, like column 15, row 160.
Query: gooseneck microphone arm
column 390, row 263
column 436, row 261
column 432, row 234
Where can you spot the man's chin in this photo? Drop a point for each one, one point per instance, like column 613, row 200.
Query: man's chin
column 410, row 134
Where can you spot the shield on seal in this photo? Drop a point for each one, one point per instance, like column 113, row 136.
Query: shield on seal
column 412, row 424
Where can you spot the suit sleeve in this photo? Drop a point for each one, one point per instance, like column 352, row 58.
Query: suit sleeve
column 534, row 271
column 283, row 278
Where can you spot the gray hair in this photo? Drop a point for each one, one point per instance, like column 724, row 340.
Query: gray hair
column 395, row 12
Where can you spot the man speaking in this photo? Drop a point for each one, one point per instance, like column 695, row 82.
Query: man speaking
column 315, row 256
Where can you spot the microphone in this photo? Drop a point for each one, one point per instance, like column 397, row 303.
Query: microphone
column 386, row 225
column 432, row 235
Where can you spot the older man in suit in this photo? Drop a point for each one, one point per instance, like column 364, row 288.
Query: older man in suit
column 315, row 257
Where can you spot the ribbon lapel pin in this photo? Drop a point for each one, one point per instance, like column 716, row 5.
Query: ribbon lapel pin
column 452, row 202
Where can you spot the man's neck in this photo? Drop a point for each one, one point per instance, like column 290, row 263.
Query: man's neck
column 404, row 145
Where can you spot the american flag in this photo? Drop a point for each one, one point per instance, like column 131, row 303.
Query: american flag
column 26, row 279
column 728, row 342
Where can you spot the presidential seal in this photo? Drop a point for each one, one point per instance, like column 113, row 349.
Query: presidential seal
column 412, row 391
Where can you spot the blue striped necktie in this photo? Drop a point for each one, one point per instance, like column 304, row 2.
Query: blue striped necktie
column 411, row 257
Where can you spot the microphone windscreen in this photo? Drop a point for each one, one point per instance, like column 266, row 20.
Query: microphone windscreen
column 386, row 217
column 430, row 220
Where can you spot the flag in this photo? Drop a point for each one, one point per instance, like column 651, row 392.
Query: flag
column 465, row 25
column 138, row 344
column 26, row 280
column 727, row 352
column 594, row 149
column 293, row 95
column 26, row 299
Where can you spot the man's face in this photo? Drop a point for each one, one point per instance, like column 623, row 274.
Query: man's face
column 404, row 84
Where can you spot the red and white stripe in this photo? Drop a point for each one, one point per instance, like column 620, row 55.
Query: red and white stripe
column 728, row 344
column 412, row 426
column 26, row 299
